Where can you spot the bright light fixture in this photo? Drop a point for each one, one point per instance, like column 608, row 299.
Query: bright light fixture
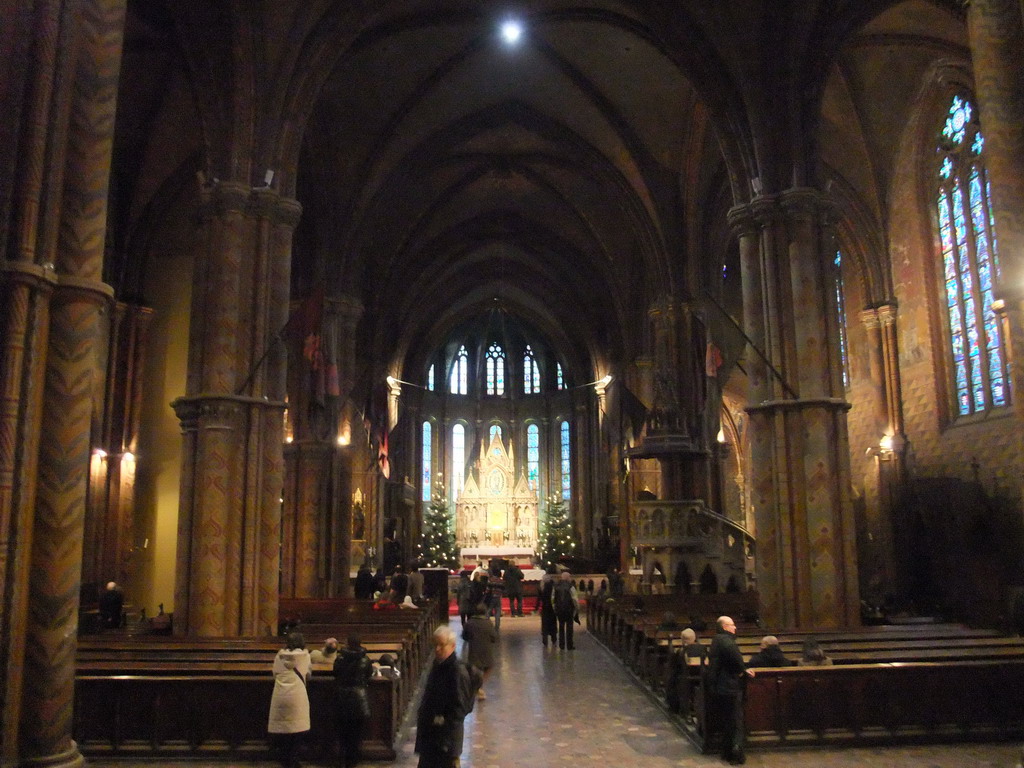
column 511, row 31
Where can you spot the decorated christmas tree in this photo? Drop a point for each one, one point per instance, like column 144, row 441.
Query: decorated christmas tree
column 437, row 549
column 557, row 535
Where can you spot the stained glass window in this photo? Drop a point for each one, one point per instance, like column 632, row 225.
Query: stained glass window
column 566, row 477
column 427, row 457
column 531, row 373
column 458, row 458
column 970, row 263
column 558, row 375
column 841, row 305
column 460, row 372
column 533, row 456
column 495, row 370
column 495, row 431
column 430, row 379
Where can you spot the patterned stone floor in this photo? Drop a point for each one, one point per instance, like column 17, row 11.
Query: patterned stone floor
column 552, row 709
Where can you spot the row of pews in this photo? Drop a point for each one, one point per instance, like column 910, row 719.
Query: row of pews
column 889, row 684
column 184, row 698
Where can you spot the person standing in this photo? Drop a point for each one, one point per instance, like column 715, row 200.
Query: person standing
column 464, row 597
column 352, row 671
column 566, row 609
column 725, row 675
column 495, row 592
column 111, row 605
column 514, row 589
column 546, row 607
column 481, row 636
column 448, row 696
column 289, row 704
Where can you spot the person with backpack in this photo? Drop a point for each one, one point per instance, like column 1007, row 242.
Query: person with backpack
column 567, row 607
column 448, row 696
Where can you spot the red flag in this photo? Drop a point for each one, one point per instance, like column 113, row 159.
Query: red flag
column 382, row 455
column 712, row 360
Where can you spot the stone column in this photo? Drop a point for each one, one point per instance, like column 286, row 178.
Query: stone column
column 229, row 523
column 799, row 462
column 74, row 376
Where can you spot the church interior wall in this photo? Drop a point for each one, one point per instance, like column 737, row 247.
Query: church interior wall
column 168, row 290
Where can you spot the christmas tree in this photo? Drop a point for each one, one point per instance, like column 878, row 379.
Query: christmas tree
column 437, row 550
column 557, row 535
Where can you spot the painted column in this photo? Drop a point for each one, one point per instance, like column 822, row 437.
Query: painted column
column 798, row 440
column 74, row 376
column 229, row 523
column 996, row 33
column 34, row 135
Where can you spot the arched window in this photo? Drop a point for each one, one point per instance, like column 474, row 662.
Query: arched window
column 495, row 430
column 970, row 263
column 458, row 458
column 841, row 306
column 495, row 370
column 566, row 478
column 533, row 456
column 430, row 379
column 428, row 446
column 558, row 376
column 531, row 373
column 460, row 372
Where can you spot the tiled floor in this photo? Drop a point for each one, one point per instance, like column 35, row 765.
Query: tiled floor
column 552, row 709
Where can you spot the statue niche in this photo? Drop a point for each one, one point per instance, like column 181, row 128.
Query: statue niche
column 496, row 509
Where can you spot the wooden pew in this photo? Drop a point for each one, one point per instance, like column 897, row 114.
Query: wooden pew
column 185, row 715
column 885, row 703
column 121, row 683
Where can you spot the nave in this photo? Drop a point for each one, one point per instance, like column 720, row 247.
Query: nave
column 548, row 708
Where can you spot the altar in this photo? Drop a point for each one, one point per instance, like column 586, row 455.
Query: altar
column 473, row 556
column 497, row 511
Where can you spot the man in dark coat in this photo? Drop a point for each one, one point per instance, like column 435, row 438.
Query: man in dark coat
column 111, row 605
column 514, row 589
column 448, row 696
column 770, row 654
column 567, row 607
column 352, row 671
column 725, row 675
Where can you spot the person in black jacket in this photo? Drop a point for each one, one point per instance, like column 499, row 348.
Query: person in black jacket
column 548, row 620
column 770, row 654
column 724, row 681
column 514, row 589
column 352, row 671
column 448, row 696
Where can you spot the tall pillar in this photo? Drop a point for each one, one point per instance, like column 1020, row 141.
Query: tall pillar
column 74, row 376
column 996, row 33
column 229, row 522
column 799, row 448
column 33, row 136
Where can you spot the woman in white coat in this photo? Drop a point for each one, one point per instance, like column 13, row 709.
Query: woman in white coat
column 289, row 706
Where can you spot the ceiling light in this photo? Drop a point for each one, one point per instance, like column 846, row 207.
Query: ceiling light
column 511, row 31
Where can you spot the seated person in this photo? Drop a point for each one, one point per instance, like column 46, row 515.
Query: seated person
column 668, row 622
column 385, row 667
column 693, row 651
column 770, row 654
column 326, row 656
column 813, row 656
column 408, row 603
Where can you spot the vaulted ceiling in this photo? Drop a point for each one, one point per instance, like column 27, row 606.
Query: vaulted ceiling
column 575, row 175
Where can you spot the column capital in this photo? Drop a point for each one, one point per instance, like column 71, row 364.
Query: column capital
column 887, row 314
column 808, row 203
column 216, row 410
column 869, row 317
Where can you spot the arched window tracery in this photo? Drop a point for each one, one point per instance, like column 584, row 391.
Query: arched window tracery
column 495, row 370
column 460, row 372
column 970, row 262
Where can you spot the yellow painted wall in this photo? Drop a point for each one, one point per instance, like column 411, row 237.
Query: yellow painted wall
column 168, row 290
